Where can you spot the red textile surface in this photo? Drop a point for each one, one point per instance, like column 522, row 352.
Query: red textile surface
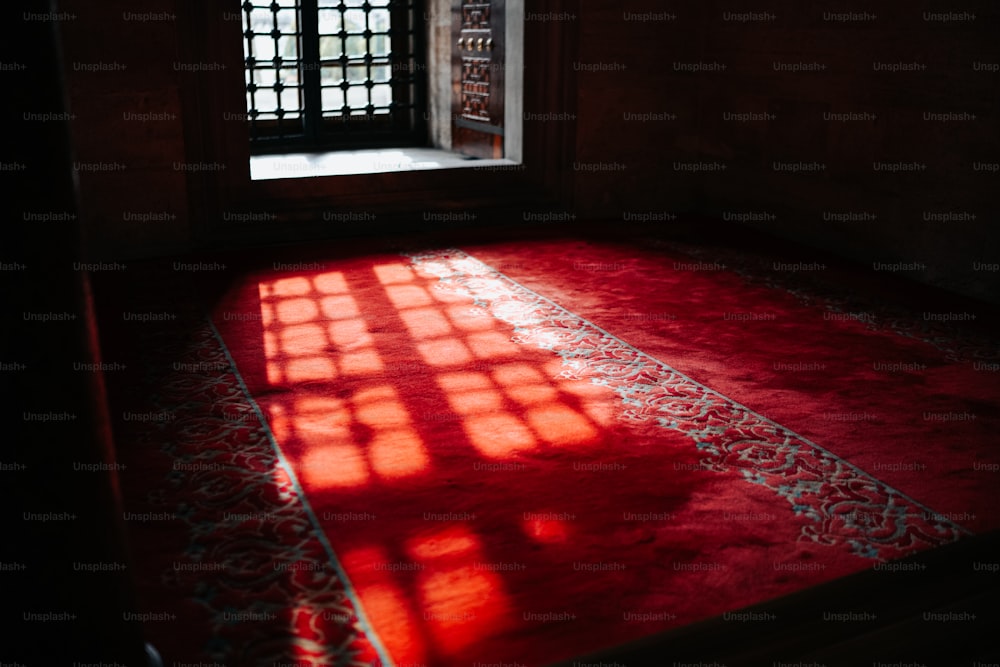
column 916, row 411
column 495, row 491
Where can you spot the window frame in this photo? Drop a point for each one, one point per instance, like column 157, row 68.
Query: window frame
column 217, row 140
column 405, row 125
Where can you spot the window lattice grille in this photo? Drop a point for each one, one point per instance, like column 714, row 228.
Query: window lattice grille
column 324, row 72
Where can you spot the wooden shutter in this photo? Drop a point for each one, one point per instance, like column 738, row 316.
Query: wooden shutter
column 477, row 77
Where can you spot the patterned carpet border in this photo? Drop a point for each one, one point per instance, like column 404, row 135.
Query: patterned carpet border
column 245, row 518
column 846, row 506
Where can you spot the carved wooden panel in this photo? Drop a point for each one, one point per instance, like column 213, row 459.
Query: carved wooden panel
column 475, row 89
column 478, row 76
column 475, row 15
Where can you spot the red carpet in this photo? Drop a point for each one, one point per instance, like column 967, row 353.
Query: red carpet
column 602, row 445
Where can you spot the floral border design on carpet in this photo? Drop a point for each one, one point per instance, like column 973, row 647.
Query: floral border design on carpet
column 253, row 561
column 845, row 506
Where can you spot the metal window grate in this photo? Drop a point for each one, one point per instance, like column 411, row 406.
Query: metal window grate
column 272, row 50
column 328, row 73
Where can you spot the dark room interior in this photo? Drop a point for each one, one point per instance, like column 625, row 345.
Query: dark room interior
column 501, row 333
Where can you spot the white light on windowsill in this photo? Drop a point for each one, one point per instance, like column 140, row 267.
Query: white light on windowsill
column 342, row 163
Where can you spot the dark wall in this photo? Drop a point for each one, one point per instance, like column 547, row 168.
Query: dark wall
column 71, row 598
column 746, row 121
column 128, row 134
column 653, row 138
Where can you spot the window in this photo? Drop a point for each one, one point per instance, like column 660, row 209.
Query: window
column 329, row 74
